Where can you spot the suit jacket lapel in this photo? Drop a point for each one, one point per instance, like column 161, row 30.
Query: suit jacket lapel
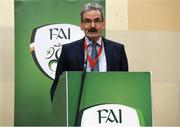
column 108, row 52
column 107, row 49
column 81, row 53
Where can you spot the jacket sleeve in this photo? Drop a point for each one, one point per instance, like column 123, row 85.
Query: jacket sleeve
column 61, row 67
column 124, row 61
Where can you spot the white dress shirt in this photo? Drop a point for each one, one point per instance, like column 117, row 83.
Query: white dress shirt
column 101, row 59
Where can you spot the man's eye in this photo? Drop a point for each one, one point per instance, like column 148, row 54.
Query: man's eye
column 87, row 21
column 97, row 21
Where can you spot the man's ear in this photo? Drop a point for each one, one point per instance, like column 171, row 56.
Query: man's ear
column 81, row 26
column 104, row 24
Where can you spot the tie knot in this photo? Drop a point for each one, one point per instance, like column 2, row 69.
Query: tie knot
column 93, row 44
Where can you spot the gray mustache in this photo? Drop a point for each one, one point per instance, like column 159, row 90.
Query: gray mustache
column 92, row 30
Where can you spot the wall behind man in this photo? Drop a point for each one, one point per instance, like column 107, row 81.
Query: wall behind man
column 6, row 62
column 150, row 30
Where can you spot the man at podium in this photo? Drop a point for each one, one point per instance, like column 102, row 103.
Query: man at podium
column 93, row 52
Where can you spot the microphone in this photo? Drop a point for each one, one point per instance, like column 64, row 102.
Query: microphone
column 80, row 92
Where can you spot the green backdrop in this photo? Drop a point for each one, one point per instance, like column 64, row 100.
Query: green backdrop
column 32, row 87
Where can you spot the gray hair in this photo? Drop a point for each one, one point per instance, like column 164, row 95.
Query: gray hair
column 91, row 6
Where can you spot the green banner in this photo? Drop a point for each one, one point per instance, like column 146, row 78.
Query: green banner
column 41, row 28
column 109, row 99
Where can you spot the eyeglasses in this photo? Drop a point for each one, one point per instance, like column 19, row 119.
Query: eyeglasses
column 88, row 22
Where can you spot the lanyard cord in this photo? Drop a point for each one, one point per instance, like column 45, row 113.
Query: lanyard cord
column 92, row 63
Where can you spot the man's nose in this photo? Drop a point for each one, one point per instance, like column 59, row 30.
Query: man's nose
column 92, row 24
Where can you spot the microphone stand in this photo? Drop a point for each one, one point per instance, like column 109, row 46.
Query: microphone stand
column 80, row 92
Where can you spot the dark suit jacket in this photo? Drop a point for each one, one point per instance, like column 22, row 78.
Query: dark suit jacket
column 72, row 58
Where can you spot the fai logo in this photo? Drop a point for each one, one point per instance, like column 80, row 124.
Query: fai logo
column 110, row 115
column 46, row 43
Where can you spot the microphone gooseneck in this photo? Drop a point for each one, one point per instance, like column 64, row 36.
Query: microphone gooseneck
column 80, row 92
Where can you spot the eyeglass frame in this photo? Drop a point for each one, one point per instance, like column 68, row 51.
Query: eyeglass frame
column 89, row 22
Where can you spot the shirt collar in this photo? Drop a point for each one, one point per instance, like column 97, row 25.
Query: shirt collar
column 88, row 42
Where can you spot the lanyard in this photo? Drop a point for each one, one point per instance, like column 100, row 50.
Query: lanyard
column 92, row 63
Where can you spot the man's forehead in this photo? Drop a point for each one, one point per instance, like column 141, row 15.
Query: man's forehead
column 92, row 18
column 92, row 14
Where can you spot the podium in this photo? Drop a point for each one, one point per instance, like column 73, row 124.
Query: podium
column 108, row 99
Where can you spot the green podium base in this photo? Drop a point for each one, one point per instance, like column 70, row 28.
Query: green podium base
column 108, row 99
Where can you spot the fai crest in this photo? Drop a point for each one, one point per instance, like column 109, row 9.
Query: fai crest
column 46, row 43
column 110, row 115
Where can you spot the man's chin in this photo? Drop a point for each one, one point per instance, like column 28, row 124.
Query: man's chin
column 93, row 36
